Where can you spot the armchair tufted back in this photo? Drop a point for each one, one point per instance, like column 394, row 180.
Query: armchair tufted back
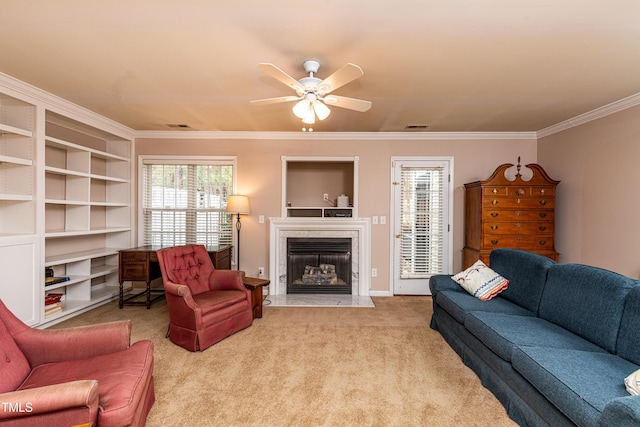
column 188, row 265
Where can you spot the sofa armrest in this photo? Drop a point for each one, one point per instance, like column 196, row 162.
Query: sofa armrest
column 442, row 282
column 21, row 406
column 621, row 412
column 81, row 342
column 227, row 280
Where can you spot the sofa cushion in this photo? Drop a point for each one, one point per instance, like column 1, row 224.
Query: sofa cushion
column 459, row 304
column 481, row 281
column 580, row 383
column 503, row 332
column 14, row 366
column 628, row 345
column 587, row 301
column 123, row 378
column 527, row 274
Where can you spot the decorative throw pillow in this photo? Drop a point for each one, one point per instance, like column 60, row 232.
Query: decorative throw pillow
column 481, row 281
column 632, row 383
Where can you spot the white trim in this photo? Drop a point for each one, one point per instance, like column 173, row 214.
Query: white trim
column 348, row 136
column 614, row 107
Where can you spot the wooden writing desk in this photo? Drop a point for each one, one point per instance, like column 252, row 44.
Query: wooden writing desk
column 141, row 265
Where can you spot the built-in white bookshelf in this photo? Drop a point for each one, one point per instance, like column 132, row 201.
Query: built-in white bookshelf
column 17, row 173
column 87, row 211
column 65, row 203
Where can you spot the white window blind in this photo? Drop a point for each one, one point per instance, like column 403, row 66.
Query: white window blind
column 422, row 221
column 184, row 203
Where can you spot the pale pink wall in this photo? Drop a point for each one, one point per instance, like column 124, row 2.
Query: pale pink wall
column 260, row 170
column 598, row 203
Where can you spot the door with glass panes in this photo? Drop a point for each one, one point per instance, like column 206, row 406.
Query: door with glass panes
column 421, row 206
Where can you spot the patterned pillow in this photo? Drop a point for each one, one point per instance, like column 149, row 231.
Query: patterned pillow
column 632, row 383
column 481, row 281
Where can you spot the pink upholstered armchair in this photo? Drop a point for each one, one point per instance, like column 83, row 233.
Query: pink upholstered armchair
column 205, row 305
column 63, row 377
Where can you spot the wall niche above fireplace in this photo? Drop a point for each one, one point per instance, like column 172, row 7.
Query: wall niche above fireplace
column 306, row 181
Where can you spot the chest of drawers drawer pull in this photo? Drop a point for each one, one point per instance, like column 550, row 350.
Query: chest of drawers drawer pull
column 494, row 241
column 494, row 202
column 542, row 227
column 494, row 214
column 494, row 191
column 543, row 214
column 543, row 242
column 494, row 227
column 543, row 202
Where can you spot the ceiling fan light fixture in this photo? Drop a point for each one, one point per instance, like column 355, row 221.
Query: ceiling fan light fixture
column 322, row 111
column 301, row 108
column 309, row 116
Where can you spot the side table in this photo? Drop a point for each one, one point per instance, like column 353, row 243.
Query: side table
column 255, row 285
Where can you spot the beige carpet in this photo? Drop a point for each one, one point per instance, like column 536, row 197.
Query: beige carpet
column 312, row 366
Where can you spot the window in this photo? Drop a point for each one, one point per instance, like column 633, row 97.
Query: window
column 422, row 220
column 184, row 201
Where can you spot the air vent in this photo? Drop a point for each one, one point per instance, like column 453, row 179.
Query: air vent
column 178, row 126
column 416, row 127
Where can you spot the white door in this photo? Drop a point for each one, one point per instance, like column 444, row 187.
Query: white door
column 421, row 232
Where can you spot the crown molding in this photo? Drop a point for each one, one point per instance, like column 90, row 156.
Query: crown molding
column 614, row 107
column 315, row 136
column 55, row 104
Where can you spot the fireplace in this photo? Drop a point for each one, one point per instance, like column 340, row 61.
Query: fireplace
column 354, row 229
column 318, row 265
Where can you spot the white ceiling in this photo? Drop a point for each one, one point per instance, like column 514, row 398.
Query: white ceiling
column 457, row 65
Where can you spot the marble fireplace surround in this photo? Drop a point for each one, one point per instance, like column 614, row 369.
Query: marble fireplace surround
column 358, row 229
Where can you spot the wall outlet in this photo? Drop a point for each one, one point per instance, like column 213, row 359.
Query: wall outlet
column 374, row 272
column 260, row 219
column 325, row 197
column 261, row 271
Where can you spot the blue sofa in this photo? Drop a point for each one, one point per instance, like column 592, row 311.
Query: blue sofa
column 555, row 346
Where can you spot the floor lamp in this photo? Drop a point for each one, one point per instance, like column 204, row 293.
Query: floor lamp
column 238, row 205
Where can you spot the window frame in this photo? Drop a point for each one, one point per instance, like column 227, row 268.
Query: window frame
column 182, row 160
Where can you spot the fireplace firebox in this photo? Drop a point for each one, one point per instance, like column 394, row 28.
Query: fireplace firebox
column 318, row 265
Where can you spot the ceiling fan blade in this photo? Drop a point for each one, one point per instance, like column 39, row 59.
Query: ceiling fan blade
column 348, row 73
column 268, row 101
column 350, row 103
column 281, row 76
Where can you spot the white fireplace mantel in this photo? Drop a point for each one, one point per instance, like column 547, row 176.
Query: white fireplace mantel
column 359, row 229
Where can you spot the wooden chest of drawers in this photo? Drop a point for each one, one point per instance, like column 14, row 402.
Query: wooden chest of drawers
column 503, row 213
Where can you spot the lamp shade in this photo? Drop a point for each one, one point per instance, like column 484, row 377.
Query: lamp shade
column 238, row 204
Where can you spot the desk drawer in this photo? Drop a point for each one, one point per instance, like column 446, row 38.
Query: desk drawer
column 133, row 256
column 134, row 271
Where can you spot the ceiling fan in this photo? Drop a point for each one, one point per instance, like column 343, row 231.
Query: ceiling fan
column 313, row 94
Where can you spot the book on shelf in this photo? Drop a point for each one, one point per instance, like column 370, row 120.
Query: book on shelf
column 53, row 308
column 52, row 298
column 53, row 280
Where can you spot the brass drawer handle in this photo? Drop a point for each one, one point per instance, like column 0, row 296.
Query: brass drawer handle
column 494, row 214
column 542, row 228
column 494, row 227
column 520, row 192
column 494, row 241
column 543, row 214
column 543, row 190
column 494, row 191
column 543, row 202
column 543, row 242
column 494, row 202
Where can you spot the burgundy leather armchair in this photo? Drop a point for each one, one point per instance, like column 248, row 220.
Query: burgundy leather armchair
column 205, row 305
column 63, row 377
